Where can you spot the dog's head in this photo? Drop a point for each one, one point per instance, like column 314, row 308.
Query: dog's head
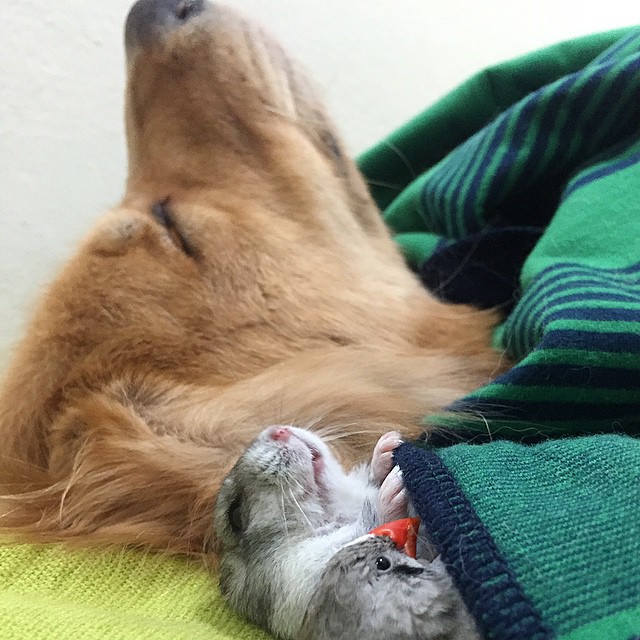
column 246, row 237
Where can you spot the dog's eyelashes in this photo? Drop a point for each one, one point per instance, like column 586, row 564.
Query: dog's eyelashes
column 331, row 144
column 163, row 216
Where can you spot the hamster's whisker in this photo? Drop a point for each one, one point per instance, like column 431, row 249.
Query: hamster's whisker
column 311, row 424
column 302, row 513
column 342, row 435
column 333, row 437
column 331, row 430
column 292, row 483
column 284, row 513
column 327, row 429
column 341, row 430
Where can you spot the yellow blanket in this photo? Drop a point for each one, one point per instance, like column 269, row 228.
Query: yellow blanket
column 49, row 593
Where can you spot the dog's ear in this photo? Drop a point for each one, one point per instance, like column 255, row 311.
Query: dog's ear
column 112, row 478
column 141, row 461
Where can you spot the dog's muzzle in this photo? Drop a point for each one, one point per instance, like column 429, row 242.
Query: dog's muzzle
column 151, row 19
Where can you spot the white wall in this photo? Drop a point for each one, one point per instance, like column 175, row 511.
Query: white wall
column 62, row 158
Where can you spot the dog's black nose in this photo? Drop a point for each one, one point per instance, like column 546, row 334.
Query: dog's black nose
column 149, row 19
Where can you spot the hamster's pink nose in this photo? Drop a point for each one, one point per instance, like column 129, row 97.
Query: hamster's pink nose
column 281, row 434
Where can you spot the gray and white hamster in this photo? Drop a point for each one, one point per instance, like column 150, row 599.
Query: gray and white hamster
column 284, row 509
column 284, row 520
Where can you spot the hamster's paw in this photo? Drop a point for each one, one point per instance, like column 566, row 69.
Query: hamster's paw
column 382, row 459
column 393, row 500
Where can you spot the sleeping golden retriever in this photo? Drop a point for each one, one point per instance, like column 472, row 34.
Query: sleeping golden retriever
column 245, row 279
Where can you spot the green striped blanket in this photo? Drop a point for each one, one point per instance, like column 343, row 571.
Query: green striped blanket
column 521, row 190
column 537, row 212
column 543, row 541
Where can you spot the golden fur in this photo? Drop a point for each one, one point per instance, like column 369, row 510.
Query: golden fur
column 160, row 351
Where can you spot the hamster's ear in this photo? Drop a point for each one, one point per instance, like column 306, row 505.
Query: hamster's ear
column 229, row 513
column 232, row 578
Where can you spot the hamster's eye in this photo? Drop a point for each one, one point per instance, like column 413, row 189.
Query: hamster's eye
column 235, row 516
column 383, row 563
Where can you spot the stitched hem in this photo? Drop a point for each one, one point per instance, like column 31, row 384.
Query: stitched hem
column 496, row 600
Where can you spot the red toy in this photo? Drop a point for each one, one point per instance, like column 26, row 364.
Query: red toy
column 403, row 532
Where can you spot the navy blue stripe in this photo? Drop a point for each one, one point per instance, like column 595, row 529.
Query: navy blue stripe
column 501, row 173
column 594, row 134
column 583, row 375
column 581, row 268
column 628, row 277
column 613, row 51
column 472, row 206
column 446, row 182
column 604, row 314
column 562, row 98
column 603, row 172
column 609, row 342
column 487, row 583
column 439, row 185
column 585, row 297
column 527, row 313
column 592, row 80
column 573, row 413
column 613, row 153
column 500, row 129
column 593, row 279
column 498, row 135
column 610, row 121
column 525, row 317
column 432, row 199
column 530, row 321
column 435, row 197
column 527, row 324
column 549, row 121
column 581, row 278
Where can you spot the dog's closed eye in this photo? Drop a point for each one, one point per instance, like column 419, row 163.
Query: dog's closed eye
column 164, row 217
